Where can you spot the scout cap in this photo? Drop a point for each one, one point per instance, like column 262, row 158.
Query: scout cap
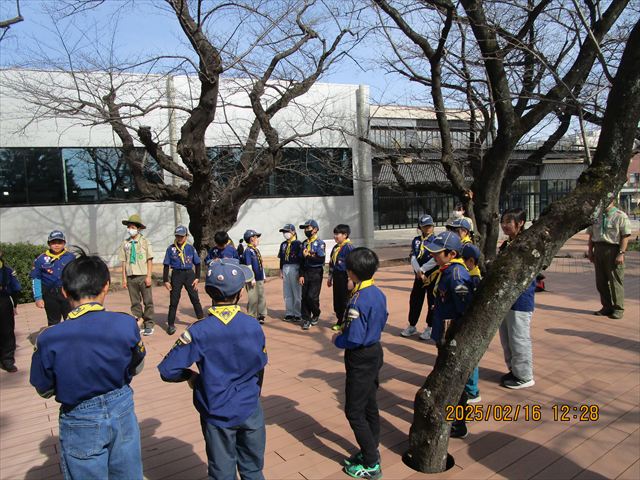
column 289, row 227
column 250, row 233
column 461, row 223
column 228, row 276
column 445, row 241
column 56, row 235
column 135, row 219
column 471, row 251
column 425, row 221
column 310, row 223
column 181, row 231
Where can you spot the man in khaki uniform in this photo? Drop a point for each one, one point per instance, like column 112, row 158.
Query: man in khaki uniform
column 608, row 239
column 136, row 255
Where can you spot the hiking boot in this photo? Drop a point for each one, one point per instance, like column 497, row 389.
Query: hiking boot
column 515, row 383
column 314, row 320
column 472, row 399
column 603, row 312
column 306, row 324
column 357, row 470
column 171, row 329
column 426, row 335
column 409, row 331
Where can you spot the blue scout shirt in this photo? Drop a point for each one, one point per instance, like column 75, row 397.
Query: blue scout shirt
column 253, row 259
column 453, row 293
column 366, row 317
column 526, row 301
column 181, row 258
column 338, row 262
column 229, row 349
column 317, row 250
column 294, row 254
column 9, row 284
column 228, row 251
column 91, row 353
column 418, row 249
column 47, row 269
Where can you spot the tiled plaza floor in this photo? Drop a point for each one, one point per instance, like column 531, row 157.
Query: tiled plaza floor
column 579, row 359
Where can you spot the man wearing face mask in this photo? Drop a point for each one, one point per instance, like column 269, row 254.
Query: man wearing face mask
column 313, row 252
column 290, row 255
column 136, row 255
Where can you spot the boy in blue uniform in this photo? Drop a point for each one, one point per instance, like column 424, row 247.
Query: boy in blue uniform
column 46, row 278
column 87, row 362
column 453, row 291
column 313, row 253
column 423, row 267
column 223, row 249
column 471, row 257
column 365, row 319
column 290, row 256
column 338, row 278
column 9, row 290
column 228, row 348
column 181, row 257
column 257, row 303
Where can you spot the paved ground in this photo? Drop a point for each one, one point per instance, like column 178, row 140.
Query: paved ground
column 579, row 360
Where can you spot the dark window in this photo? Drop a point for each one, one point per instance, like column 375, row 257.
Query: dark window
column 31, row 175
column 13, row 176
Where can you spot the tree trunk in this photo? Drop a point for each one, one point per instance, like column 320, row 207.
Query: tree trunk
column 512, row 271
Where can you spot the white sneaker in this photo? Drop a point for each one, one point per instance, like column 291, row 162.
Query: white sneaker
column 410, row 330
column 426, row 335
column 474, row 399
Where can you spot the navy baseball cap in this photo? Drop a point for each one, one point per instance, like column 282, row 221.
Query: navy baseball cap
column 471, row 251
column 181, row 231
column 228, row 276
column 444, row 241
column 250, row 233
column 461, row 223
column 289, row 227
column 56, row 235
column 310, row 223
column 425, row 221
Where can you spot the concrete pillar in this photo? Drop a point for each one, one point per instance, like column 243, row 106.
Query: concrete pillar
column 362, row 169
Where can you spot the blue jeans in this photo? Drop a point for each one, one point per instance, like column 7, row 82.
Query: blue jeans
column 472, row 384
column 100, row 438
column 241, row 447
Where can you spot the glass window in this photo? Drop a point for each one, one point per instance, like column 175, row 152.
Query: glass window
column 13, row 185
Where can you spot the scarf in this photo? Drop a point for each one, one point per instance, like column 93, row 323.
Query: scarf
column 442, row 269
column 224, row 313
column 336, row 250
column 422, row 248
column 362, row 286
column 310, row 242
column 606, row 215
column 475, row 272
column 287, row 251
column 53, row 256
column 132, row 254
column 257, row 255
column 85, row 308
column 180, row 250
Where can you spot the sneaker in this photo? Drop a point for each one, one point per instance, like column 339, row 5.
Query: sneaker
column 358, row 458
column 476, row 399
column 261, row 319
column 603, row 312
column 296, row 320
column 171, row 329
column 148, row 331
column 336, row 327
column 459, row 430
column 314, row 320
column 616, row 315
column 288, row 318
column 508, row 376
column 515, row 383
column 357, row 470
column 306, row 324
column 9, row 367
column 426, row 335
column 410, row 330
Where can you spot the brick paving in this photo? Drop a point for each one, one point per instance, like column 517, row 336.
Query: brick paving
column 579, row 360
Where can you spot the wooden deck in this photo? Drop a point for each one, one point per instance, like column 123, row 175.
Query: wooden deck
column 579, row 359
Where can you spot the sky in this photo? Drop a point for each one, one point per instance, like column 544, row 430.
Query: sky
column 155, row 30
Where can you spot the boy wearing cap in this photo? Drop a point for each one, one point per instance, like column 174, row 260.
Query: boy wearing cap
column 46, row 278
column 313, row 255
column 364, row 321
column 223, row 248
column 453, row 291
column 423, row 267
column 290, row 256
column 136, row 255
column 462, row 226
column 229, row 350
column 88, row 362
column 471, row 257
column 257, row 303
column 181, row 257
column 338, row 278
column 9, row 289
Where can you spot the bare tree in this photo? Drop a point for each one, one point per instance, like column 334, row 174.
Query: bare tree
column 6, row 24
column 261, row 55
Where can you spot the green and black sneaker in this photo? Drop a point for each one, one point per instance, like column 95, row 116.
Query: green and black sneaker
column 357, row 470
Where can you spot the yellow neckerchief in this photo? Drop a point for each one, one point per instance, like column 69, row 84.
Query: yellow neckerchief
column 310, row 241
column 287, row 252
column 475, row 272
column 224, row 313
column 85, row 308
column 442, row 269
column 361, row 286
column 337, row 248
column 257, row 254
column 422, row 247
column 465, row 240
column 53, row 256
column 180, row 250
